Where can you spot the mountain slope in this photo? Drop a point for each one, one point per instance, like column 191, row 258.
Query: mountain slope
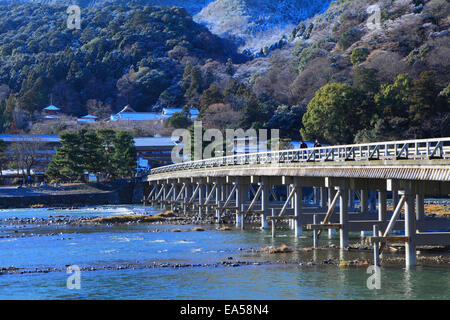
column 192, row 6
column 256, row 24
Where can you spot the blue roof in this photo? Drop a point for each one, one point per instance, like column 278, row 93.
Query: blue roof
column 168, row 112
column 52, row 108
column 136, row 116
column 28, row 137
column 154, row 142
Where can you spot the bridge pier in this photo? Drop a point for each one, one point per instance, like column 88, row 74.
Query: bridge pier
column 412, row 169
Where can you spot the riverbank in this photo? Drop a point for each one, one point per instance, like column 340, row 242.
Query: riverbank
column 72, row 195
column 120, row 255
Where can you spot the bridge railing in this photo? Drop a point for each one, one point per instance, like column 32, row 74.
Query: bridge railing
column 392, row 150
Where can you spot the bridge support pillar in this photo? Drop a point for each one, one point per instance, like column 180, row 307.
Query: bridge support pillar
column 323, row 197
column 364, row 201
column 206, row 195
column 316, row 196
column 394, row 198
column 420, row 210
column 298, row 207
column 351, row 199
column 410, row 230
column 381, row 206
column 372, row 201
column 343, row 216
column 265, row 186
column 218, row 196
column 331, row 194
column 200, row 199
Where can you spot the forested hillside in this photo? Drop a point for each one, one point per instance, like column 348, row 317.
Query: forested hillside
column 122, row 55
column 334, row 77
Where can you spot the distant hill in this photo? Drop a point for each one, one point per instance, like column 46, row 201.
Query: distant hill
column 122, row 55
column 256, row 24
column 192, row 6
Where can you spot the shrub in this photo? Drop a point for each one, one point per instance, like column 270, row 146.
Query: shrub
column 359, row 55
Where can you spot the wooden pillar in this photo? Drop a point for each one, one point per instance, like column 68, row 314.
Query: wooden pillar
column 297, row 208
column 420, row 210
column 265, row 189
column 364, row 201
column 206, row 196
column 218, row 195
column 351, row 199
column 343, row 217
column 200, row 199
column 394, row 198
column 323, row 197
column 410, row 230
column 331, row 194
column 382, row 206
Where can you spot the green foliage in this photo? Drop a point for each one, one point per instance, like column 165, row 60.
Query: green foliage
column 179, row 120
column 365, row 79
column 393, row 99
column 68, row 160
column 349, row 37
column 424, row 100
column 210, row 96
column 334, row 115
column 124, row 153
column 3, row 157
column 119, row 57
column 101, row 152
column 359, row 55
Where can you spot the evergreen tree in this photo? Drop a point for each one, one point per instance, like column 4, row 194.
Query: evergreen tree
column 93, row 154
column 334, row 114
column 68, row 160
column 107, row 138
column 124, row 154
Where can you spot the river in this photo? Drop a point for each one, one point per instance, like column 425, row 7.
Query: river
column 149, row 261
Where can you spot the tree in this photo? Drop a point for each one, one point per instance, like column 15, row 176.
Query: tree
column 210, row 96
column 94, row 159
column 334, row 114
column 124, row 156
column 424, row 99
column 3, row 157
column 288, row 120
column 393, row 99
column 107, row 137
column 26, row 152
column 179, row 120
column 68, row 160
column 359, row 55
column 365, row 79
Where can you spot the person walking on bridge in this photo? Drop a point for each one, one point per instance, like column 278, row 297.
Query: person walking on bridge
column 317, row 144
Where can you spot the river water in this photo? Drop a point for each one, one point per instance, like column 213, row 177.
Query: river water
column 141, row 261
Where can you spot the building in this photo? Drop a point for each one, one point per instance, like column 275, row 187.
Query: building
column 153, row 151
column 41, row 146
column 168, row 112
column 87, row 119
column 157, row 150
column 129, row 114
column 51, row 112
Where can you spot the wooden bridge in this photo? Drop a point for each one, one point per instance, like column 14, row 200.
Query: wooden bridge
column 243, row 184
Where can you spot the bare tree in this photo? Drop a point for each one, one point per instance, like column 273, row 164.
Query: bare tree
column 26, row 153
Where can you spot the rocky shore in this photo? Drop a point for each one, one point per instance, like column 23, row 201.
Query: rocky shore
column 72, row 195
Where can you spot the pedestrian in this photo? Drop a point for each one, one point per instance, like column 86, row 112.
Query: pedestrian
column 303, row 145
column 317, row 144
